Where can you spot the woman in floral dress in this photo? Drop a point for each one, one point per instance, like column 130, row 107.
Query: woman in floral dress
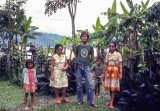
column 59, row 78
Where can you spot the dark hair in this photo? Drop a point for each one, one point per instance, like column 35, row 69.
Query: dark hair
column 115, row 44
column 57, row 46
column 84, row 33
column 29, row 61
column 99, row 59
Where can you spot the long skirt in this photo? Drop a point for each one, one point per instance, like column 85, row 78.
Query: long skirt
column 112, row 78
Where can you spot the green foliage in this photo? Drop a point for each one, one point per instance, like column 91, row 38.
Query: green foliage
column 28, row 23
column 114, row 8
column 97, row 27
column 125, row 51
column 26, row 30
column 125, row 11
column 130, row 4
column 144, row 5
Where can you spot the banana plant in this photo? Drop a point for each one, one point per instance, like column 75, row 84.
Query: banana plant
column 26, row 30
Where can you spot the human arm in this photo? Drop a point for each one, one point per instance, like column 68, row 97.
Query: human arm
column 23, row 72
column 35, row 76
column 105, row 69
column 52, row 68
column 120, row 67
column 65, row 66
column 103, row 72
column 92, row 55
column 75, row 52
column 92, row 70
column 120, row 70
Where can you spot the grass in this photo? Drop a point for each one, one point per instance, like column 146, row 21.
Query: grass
column 10, row 95
column 11, row 99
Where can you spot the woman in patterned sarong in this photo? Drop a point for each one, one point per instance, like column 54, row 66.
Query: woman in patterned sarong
column 113, row 71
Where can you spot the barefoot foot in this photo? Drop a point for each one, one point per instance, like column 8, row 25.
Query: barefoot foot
column 111, row 106
column 108, row 103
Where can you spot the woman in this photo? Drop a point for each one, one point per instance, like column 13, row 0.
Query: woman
column 59, row 78
column 113, row 72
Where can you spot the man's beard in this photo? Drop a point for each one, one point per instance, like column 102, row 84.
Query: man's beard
column 84, row 41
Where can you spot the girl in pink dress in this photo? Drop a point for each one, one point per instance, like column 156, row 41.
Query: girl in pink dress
column 29, row 82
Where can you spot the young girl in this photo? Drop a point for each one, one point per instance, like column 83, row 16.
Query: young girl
column 97, row 72
column 29, row 82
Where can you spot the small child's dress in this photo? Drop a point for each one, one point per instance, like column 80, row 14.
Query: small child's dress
column 29, row 80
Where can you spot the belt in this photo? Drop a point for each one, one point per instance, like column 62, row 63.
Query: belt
column 83, row 64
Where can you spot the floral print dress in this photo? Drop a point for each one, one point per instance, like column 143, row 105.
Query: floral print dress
column 60, row 77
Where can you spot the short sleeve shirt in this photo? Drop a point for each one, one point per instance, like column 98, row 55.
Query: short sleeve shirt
column 83, row 54
column 98, row 70
column 113, row 59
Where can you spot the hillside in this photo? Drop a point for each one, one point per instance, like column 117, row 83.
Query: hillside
column 45, row 39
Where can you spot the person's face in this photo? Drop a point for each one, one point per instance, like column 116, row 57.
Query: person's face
column 84, row 38
column 59, row 50
column 98, row 62
column 30, row 65
column 112, row 47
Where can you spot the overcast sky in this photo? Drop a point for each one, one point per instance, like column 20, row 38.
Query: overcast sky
column 60, row 23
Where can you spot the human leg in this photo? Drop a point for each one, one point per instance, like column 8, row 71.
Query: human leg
column 58, row 101
column 32, row 100
column 79, row 85
column 88, row 79
column 98, row 89
column 64, row 95
column 95, row 87
column 26, row 101
column 112, row 99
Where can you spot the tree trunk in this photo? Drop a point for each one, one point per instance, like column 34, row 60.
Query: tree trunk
column 72, row 7
column 8, row 59
column 73, row 28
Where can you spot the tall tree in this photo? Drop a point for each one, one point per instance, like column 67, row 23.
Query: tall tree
column 12, row 23
column 54, row 5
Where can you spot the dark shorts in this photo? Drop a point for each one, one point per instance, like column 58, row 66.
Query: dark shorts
column 97, row 81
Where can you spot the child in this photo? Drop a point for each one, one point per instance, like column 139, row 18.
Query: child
column 97, row 72
column 29, row 82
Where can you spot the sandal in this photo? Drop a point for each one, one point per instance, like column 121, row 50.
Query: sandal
column 65, row 100
column 80, row 102
column 93, row 105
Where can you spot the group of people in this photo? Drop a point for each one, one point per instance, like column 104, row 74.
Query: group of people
column 110, row 72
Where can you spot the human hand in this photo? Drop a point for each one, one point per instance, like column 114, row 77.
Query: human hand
column 36, row 85
column 120, row 76
column 52, row 77
column 93, row 75
column 64, row 69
